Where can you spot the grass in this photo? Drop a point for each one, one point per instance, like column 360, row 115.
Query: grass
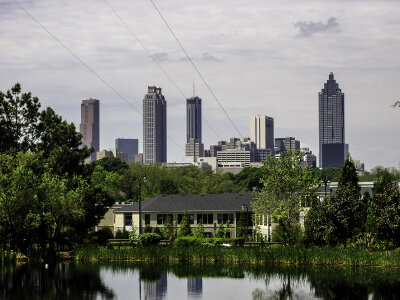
column 252, row 255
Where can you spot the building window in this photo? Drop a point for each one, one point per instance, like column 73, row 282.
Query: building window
column 146, row 219
column 128, row 219
column 162, row 218
column 223, row 218
column 205, row 218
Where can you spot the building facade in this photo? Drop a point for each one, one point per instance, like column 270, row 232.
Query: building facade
column 331, row 125
column 194, row 148
column 90, row 126
column 262, row 132
column 128, row 146
column 154, row 127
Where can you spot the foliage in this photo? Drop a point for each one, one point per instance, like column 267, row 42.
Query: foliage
column 147, row 229
column 149, row 239
column 385, row 211
column 287, row 236
column 249, row 178
column 102, row 235
column 242, row 228
column 133, row 234
column 330, row 173
column 184, row 228
column 286, row 188
column 112, row 164
column 198, row 232
column 220, row 231
column 168, row 231
column 122, row 234
column 227, row 231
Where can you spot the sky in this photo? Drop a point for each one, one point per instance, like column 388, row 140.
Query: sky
column 259, row 57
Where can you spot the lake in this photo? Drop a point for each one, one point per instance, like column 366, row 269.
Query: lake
column 195, row 281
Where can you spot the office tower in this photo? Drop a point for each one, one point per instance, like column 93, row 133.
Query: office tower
column 128, row 146
column 90, row 126
column 262, row 132
column 194, row 148
column 288, row 143
column 154, row 127
column 332, row 147
column 193, row 118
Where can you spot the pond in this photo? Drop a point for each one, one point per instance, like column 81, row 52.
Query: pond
column 195, row 281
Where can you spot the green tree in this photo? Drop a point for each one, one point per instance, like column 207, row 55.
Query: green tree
column 198, row 232
column 184, row 228
column 346, row 212
column 220, row 231
column 19, row 115
column 227, row 231
column 385, row 210
column 242, row 228
column 168, row 231
column 287, row 187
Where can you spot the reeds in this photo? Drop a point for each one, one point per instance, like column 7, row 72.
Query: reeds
column 252, row 255
column 7, row 256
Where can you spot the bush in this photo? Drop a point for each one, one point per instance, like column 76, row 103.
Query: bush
column 288, row 235
column 185, row 241
column 149, row 239
column 122, row 234
column 147, row 229
column 157, row 231
column 102, row 235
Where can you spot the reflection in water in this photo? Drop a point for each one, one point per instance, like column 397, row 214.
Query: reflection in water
column 120, row 281
column 156, row 290
column 195, row 288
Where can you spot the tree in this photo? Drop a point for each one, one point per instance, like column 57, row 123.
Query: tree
column 19, row 115
column 346, row 212
column 168, row 231
column 184, row 228
column 286, row 188
column 198, row 232
column 385, row 210
column 220, row 231
column 242, row 228
column 227, row 231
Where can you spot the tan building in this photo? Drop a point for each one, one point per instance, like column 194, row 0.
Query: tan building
column 90, row 126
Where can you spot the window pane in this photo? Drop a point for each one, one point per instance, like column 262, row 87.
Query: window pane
column 159, row 219
column 180, row 217
column 220, row 218
column 191, row 218
column 147, row 219
column 128, row 220
column 210, row 219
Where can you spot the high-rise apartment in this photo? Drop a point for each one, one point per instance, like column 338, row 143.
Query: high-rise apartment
column 332, row 147
column 128, row 146
column 262, row 132
column 90, row 126
column 154, row 127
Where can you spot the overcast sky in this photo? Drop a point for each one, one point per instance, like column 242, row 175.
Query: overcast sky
column 259, row 57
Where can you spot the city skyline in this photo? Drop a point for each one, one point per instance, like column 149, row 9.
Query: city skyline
column 293, row 48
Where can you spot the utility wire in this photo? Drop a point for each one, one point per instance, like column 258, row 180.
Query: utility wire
column 154, row 60
column 197, row 70
column 86, row 65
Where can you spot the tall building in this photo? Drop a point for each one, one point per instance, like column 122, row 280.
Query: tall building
column 332, row 147
column 194, row 146
column 193, row 118
column 262, row 132
column 90, row 126
column 154, row 127
column 288, row 143
column 128, row 146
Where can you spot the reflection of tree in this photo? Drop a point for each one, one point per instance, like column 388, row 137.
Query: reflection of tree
column 59, row 281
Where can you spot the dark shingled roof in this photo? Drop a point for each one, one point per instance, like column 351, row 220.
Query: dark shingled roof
column 192, row 202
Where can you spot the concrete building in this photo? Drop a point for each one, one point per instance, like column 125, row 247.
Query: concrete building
column 121, row 155
column 154, row 127
column 128, row 146
column 139, row 158
column 262, row 132
column 103, row 154
column 90, row 126
column 288, row 143
column 112, row 153
column 234, row 156
column 194, row 148
column 309, row 159
column 332, row 147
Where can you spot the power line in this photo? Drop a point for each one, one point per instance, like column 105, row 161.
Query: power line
column 154, row 60
column 197, row 70
column 86, row 65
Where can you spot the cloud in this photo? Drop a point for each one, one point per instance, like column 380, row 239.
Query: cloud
column 207, row 57
column 307, row 29
column 162, row 56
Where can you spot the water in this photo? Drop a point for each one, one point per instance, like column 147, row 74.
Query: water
column 193, row 281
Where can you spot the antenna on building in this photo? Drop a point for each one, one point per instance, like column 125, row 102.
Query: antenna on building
column 194, row 92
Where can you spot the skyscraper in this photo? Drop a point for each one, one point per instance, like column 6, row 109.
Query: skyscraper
column 154, row 126
column 262, row 132
column 128, row 146
column 90, row 125
column 194, row 146
column 332, row 147
column 193, row 118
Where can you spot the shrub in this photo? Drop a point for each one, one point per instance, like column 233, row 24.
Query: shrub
column 102, row 235
column 122, row 234
column 287, row 235
column 147, row 229
column 185, row 241
column 157, row 230
column 149, row 239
